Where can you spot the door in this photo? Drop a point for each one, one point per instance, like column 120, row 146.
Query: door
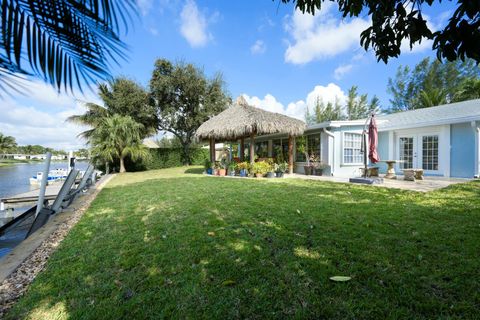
column 419, row 151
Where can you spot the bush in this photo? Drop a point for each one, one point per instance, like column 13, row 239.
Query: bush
column 167, row 158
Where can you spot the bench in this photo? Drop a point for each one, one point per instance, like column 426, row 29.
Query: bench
column 413, row 174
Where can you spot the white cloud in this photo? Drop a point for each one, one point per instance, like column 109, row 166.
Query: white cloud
column 342, row 70
column 145, row 6
column 258, row 47
column 38, row 117
column 321, row 36
column 194, row 25
column 329, row 93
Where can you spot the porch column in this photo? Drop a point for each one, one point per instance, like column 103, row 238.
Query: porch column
column 252, row 148
column 290, row 154
column 212, row 149
column 242, row 149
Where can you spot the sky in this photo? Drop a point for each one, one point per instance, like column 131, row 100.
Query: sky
column 280, row 59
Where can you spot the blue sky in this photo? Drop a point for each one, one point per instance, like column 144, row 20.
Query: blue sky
column 281, row 60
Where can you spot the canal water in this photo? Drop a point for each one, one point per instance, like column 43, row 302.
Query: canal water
column 14, row 179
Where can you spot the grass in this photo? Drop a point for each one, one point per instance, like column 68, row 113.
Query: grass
column 175, row 244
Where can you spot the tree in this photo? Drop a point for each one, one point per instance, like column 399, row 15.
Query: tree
column 117, row 137
column 329, row 112
column 184, row 99
column 358, row 107
column 120, row 96
column 468, row 89
column 66, row 42
column 431, row 97
column 396, row 21
column 7, row 143
column 431, row 77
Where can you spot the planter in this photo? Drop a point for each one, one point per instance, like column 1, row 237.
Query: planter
column 222, row 172
column 317, row 171
column 209, row 171
column 258, row 175
column 271, row 175
column 243, row 173
column 307, row 170
column 215, row 172
column 231, row 173
column 279, row 174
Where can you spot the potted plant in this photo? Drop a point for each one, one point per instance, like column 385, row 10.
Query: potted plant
column 208, row 167
column 280, row 169
column 222, row 171
column 216, row 168
column 271, row 171
column 231, row 168
column 260, row 168
column 318, row 167
column 301, row 143
column 243, row 168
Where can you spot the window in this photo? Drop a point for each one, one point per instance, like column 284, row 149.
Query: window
column 280, row 150
column 261, row 149
column 430, row 152
column 311, row 143
column 352, row 148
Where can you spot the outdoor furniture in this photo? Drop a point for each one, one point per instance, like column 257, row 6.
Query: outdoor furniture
column 413, row 174
column 390, row 169
column 371, row 172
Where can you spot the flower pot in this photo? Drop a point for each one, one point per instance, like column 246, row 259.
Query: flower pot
column 258, row 175
column 209, row 171
column 270, row 174
column 222, row 172
column 231, row 173
column 243, row 173
column 279, row 174
column 317, row 171
column 307, row 170
column 215, row 172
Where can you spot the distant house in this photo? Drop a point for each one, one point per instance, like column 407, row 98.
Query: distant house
column 443, row 141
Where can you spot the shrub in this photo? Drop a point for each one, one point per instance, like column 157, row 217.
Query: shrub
column 167, row 158
column 261, row 167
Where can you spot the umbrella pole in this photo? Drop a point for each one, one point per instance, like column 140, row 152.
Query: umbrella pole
column 364, row 136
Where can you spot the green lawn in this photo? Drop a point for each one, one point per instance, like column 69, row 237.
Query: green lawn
column 176, row 244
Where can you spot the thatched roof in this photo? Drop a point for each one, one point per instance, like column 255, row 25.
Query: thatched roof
column 241, row 119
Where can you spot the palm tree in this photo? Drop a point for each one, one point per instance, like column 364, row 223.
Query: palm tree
column 470, row 89
column 431, row 97
column 120, row 96
column 117, row 137
column 6, row 143
column 66, row 42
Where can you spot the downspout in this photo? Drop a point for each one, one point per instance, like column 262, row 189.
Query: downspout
column 330, row 134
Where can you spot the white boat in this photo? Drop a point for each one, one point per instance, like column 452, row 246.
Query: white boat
column 53, row 176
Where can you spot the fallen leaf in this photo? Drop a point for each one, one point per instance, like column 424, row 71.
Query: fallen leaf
column 228, row 283
column 340, row 278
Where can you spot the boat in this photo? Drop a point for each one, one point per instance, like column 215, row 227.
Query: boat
column 53, row 176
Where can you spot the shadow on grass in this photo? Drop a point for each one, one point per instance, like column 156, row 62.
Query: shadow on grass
column 232, row 248
column 196, row 170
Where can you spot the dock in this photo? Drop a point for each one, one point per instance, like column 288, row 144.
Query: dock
column 51, row 193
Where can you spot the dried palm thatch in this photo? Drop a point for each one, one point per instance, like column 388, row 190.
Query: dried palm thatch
column 242, row 120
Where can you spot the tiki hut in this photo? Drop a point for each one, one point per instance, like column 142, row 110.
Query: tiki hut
column 242, row 121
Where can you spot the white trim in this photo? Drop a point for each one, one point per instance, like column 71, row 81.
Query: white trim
column 477, row 148
column 343, row 163
column 440, row 122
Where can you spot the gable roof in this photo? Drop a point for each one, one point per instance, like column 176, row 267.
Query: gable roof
column 458, row 112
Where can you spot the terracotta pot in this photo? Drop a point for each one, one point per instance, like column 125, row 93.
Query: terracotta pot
column 258, row 175
column 222, row 172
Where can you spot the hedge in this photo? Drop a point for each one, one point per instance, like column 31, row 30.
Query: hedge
column 167, row 158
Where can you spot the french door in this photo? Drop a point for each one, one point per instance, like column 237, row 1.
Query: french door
column 419, row 151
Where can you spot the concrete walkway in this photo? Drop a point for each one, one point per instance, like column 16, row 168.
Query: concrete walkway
column 429, row 184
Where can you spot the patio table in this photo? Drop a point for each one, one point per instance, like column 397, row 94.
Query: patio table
column 390, row 168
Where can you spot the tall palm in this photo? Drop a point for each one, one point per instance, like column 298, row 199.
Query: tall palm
column 120, row 96
column 470, row 89
column 7, row 143
column 66, row 42
column 117, row 137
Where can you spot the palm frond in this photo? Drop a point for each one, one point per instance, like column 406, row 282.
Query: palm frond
column 68, row 43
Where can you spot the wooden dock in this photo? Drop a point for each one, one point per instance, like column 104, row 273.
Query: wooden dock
column 31, row 196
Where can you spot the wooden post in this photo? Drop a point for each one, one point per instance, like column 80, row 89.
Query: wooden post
column 242, row 149
column 252, row 148
column 212, row 150
column 290, row 154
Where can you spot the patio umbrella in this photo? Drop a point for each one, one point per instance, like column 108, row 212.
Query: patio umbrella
column 373, row 140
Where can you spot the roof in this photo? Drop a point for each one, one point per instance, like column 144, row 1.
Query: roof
column 458, row 112
column 241, row 120
column 149, row 143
